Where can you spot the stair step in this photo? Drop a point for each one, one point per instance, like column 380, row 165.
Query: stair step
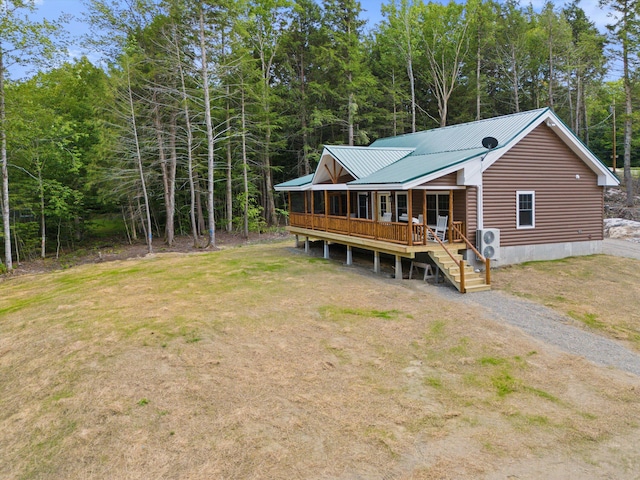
column 477, row 288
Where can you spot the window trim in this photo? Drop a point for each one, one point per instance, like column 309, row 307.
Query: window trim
column 364, row 196
column 533, row 209
column 406, row 195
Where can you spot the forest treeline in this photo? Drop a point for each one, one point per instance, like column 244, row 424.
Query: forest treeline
column 203, row 106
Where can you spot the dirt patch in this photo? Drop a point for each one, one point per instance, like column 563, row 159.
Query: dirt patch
column 116, row 249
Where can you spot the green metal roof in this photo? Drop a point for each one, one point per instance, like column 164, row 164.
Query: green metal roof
column 296, row 182
column 415, row 166
column 405, row 158
column 363, row 161
column 464, row 136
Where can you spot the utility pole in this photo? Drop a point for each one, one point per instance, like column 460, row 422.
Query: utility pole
column 614, row 156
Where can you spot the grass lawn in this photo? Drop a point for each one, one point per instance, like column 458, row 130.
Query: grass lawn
column 261, row 362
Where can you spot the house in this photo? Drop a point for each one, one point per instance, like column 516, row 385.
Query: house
column 509, row 189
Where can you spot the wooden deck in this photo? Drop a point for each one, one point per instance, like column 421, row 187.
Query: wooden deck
column 382, row 246
column 399, row 239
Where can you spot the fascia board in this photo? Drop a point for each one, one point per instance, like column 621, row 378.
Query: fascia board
column 299, row 188
column 371, row 187
column 320, row 187
column 435, row 175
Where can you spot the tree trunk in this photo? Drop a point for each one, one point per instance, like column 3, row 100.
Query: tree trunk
column 149, row 234
column 187, row 120
column 229, row 169
column 245, row 179
column 43, row 223
column 171, row 181
column 628, row 180
column 210, row 138
column 6, row 219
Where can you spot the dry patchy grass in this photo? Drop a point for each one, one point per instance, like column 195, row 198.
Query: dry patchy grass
column 600, row 292
column 261, row 362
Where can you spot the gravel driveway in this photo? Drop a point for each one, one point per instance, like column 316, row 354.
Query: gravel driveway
column 555, row 328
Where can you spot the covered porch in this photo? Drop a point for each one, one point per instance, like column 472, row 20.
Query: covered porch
column 397, row 217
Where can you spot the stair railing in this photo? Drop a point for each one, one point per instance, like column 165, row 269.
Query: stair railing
column 459, row 263
column 486, row 261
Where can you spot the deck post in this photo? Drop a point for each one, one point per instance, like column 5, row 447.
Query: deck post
column 348, row 212
column 326, row 250
column 424, row 218
column 349, row 255
column 463, row 288
column 306, row 244
column 410, row 216
column 398, row 267
column 376, row 261
column 326, row 211
column 450, row 225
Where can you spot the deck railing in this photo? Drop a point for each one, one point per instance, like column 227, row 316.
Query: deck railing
column 394, row 232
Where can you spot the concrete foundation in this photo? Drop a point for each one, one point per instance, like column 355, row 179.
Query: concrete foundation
column 548, row 251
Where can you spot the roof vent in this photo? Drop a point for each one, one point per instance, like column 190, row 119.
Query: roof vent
column 489, row 143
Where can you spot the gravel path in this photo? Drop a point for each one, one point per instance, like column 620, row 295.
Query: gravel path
column 621, row 248
column 555, row 328
column 549, row 326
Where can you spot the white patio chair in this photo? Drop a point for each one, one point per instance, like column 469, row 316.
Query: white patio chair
column 440, row 230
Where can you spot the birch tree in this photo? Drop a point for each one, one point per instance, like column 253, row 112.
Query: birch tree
column 21, row 42
column 445, row 45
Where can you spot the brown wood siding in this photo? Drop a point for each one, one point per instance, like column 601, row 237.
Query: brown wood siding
column 471, row 213
column 460, row 207
column 417, row 201
column 450, row 180
column 567, row 209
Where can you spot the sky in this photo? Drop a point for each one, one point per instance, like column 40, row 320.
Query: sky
column 52, row 9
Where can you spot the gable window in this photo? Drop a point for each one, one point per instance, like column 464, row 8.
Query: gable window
column 401, row 205
column 526, row 211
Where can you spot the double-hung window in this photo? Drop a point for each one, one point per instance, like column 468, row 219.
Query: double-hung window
column 526, row 209
column 401, row 205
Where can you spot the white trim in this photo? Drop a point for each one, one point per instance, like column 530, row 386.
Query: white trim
column 533, row 209
column 320, row 187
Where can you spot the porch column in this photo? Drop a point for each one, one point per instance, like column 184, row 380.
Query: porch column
column 349, row 256
column 480, row 208
column 348, row 213
column 313, row 208
column 326, row 210
column 450, row 223
column 375, row 215
column 326, row 250
column 398, row 267
column 410, row 216
column 376, row 261
column 424, row 218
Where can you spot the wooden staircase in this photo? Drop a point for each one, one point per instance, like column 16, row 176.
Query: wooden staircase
column 473, row 281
